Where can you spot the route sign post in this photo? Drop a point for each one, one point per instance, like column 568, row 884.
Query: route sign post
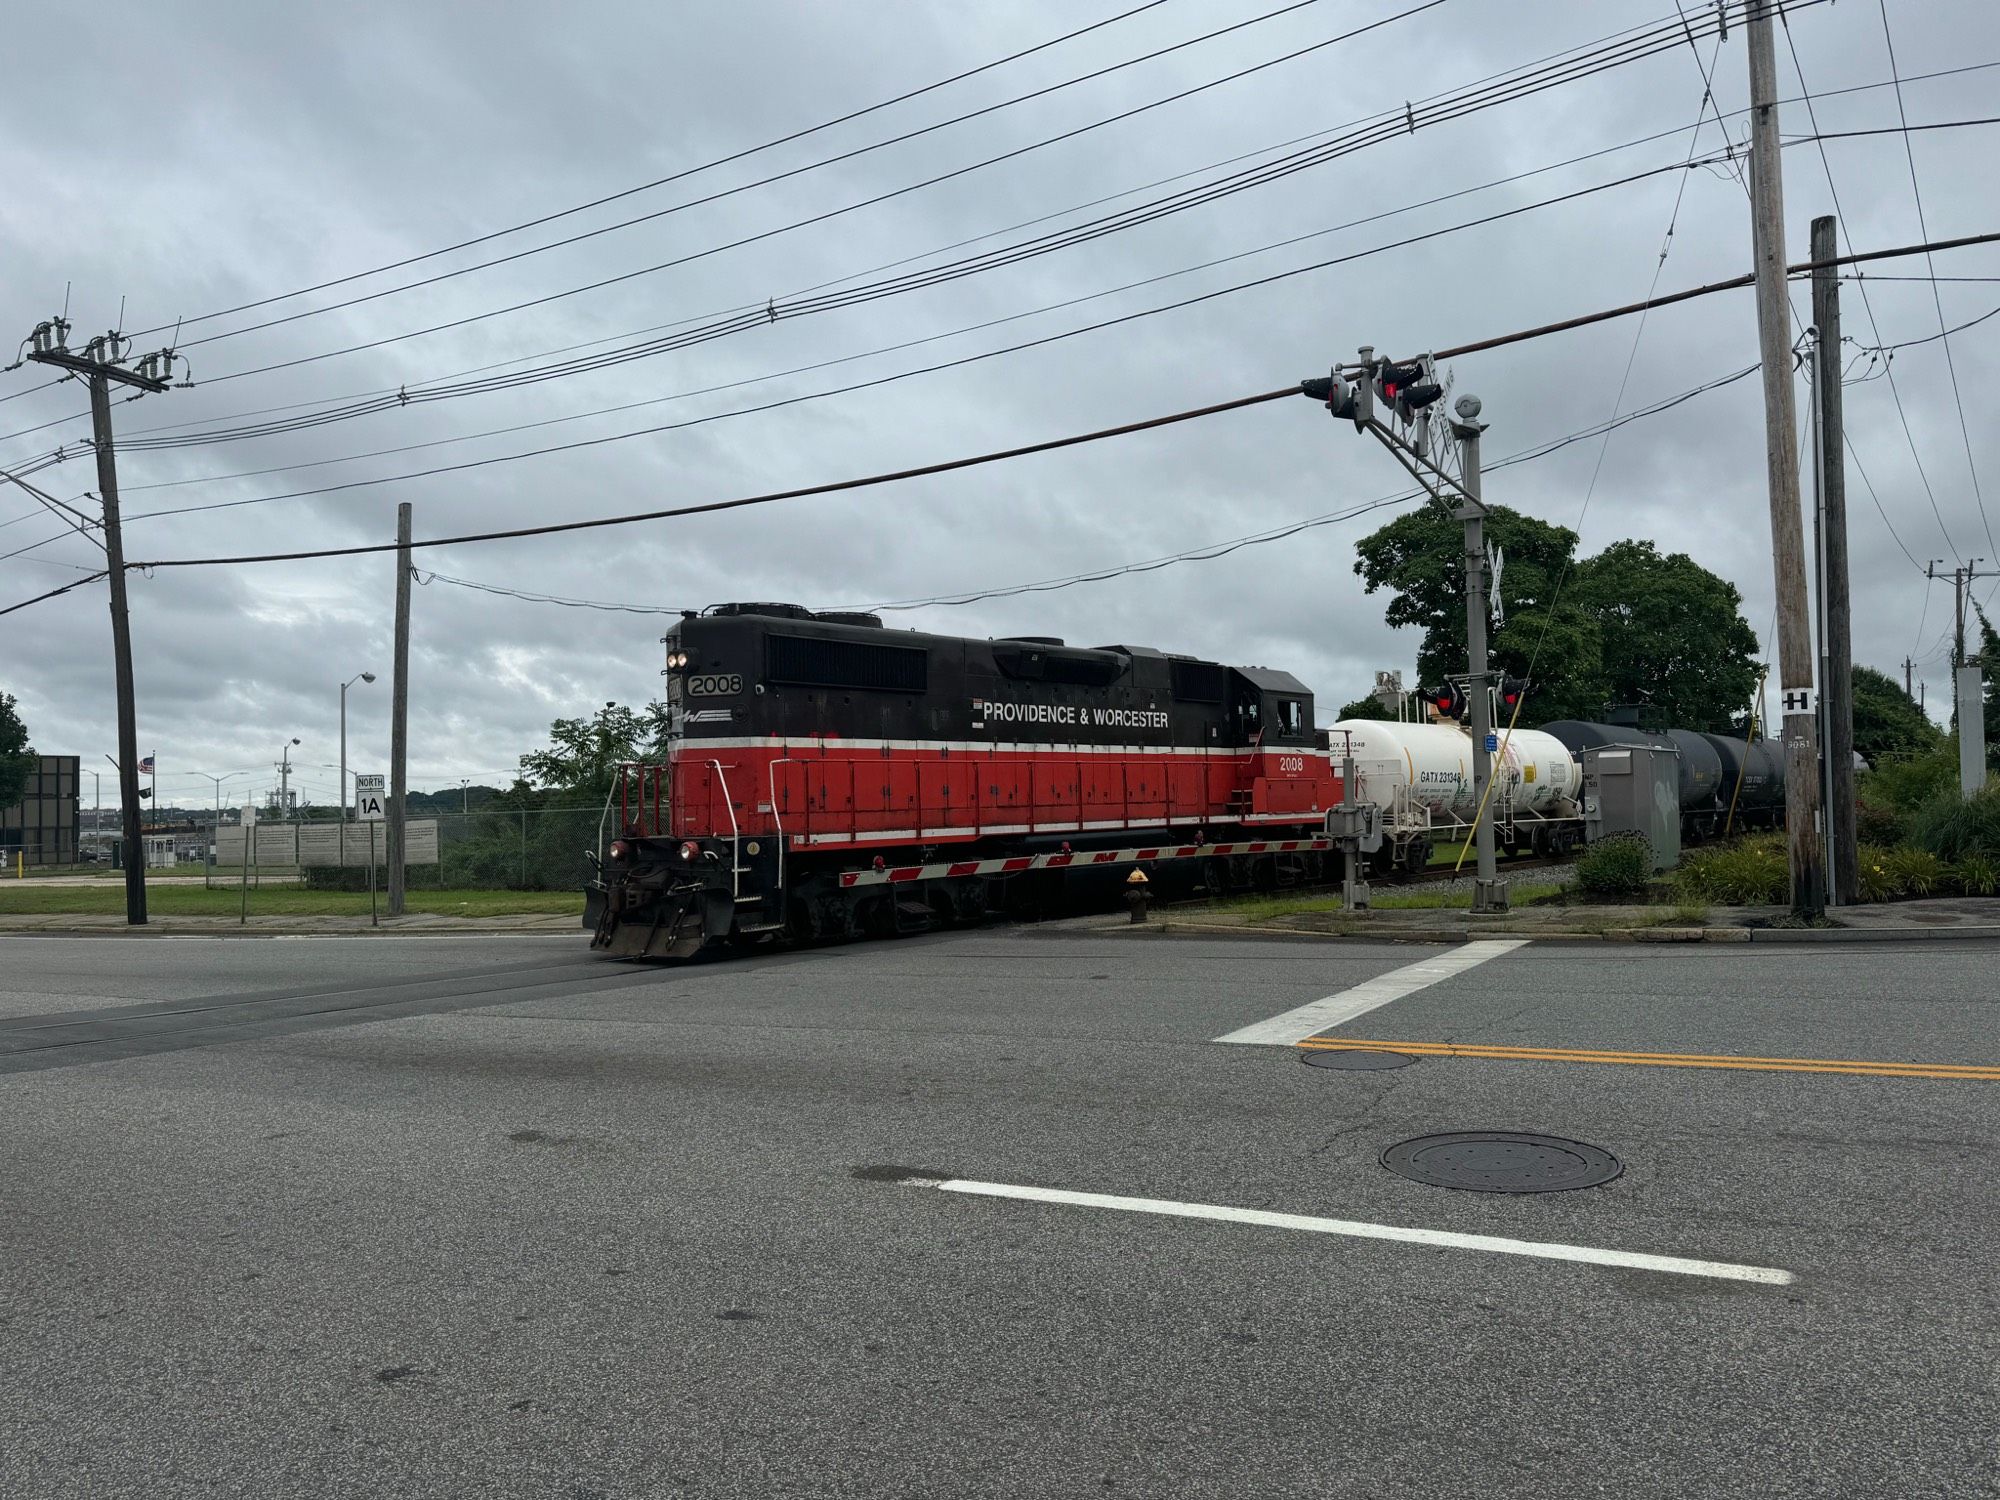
column 370, row 794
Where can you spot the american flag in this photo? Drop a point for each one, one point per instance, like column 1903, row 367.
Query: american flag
column 146, row 766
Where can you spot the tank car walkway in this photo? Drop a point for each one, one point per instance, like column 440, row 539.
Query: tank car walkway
column 1019, row 1212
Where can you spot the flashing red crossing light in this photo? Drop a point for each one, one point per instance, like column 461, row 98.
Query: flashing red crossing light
column 1405, row 388
column 1448, row 700
column 1512, row 689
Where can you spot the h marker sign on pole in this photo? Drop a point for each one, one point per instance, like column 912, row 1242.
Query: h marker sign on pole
column 1799, row 700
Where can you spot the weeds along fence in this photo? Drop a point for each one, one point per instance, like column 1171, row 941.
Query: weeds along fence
column 501, row 849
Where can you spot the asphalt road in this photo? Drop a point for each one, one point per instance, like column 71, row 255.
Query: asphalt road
column 488, row 1218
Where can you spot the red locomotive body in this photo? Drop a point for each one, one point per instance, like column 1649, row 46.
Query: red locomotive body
column 827, row 777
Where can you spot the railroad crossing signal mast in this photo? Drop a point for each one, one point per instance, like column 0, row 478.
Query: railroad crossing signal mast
column 1407, row 391
column 98, row 365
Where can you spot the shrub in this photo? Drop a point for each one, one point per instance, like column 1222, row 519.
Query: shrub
column 1875, row 875
column 1904, row 783
column 1615, row 867
column 1879, row 823
column 1976, row 876
column 1954, row 827
column 1917, row 871
column 1752, row 873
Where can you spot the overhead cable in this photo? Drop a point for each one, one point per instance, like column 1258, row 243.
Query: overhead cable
column 1048, row 445
column 658, row 182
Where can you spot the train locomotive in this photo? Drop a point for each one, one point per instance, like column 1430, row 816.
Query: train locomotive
column 828, row 778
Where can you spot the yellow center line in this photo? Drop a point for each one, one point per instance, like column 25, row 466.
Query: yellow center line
column 1975, row 1073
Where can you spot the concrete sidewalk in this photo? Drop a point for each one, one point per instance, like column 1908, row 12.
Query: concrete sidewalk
column 421, row 925
column 1955, row 917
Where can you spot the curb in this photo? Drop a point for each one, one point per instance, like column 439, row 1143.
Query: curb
column 1987, row 931
column 141, row 934
column 1660, row 935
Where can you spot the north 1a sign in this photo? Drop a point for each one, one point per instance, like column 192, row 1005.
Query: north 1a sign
column 370, row 798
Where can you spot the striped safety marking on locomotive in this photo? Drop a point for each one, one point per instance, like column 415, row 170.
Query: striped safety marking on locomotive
column 896, row 875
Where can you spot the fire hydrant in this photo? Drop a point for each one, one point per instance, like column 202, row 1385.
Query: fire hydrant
column 1136, row 895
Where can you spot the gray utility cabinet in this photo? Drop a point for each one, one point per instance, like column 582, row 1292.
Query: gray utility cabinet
column 1634, row 790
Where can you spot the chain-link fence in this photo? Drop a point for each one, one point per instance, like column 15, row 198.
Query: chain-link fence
column 502, row 849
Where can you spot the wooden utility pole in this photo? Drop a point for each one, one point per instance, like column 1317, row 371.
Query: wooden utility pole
column 1908, row 667
column 1837, row 641
column 399, row 716
column 1788, row 554
column 99, row 365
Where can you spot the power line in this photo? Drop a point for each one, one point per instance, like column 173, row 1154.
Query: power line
column 721, row 161
column 775, row 177
column 639, row 351
column 1874, row 328
column 757, row 319
column 904, row 374
column 1207, row 552
column 823, row 217
column 927, row 339
column 950, row 465
column 1048, row 445
column 1951, row 365
column 597, row 604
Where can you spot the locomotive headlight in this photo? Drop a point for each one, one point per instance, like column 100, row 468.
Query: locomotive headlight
column 676, row 660
column 690, row 849
column 620, row 851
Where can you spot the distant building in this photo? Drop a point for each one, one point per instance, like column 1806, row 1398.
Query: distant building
column 43, row 825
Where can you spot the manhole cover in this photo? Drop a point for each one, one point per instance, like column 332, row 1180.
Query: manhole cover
column 1353, row 1059
column 1501, row 1161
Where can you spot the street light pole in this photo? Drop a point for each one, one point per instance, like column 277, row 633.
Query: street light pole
column 357, row 677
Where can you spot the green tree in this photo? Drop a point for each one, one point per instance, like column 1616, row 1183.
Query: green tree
column 1627, row 626
column 1887, row 720
column 1418, row 557
column 1673, row 634
column 1367, row 706
column 17, row 760
column 584, row 754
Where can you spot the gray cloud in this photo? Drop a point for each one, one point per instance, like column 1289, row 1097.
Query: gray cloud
column 256, row 150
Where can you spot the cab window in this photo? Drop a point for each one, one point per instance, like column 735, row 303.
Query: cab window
column 1291, row 717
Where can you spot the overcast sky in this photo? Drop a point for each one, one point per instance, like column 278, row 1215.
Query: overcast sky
column 180, row 161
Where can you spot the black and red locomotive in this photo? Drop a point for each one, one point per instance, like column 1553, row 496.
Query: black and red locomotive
column 828, row 778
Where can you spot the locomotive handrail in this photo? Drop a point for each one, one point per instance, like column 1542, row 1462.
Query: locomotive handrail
column 735, row 839
column 777, row 817
column 617, row 786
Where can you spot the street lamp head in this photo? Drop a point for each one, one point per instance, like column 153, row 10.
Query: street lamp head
column 295, row 740
column 367, row 676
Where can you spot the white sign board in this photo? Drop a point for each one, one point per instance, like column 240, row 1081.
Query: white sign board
column 370, row 799
column 1798, row 700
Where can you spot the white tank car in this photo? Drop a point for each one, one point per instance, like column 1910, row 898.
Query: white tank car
column 1400, row 766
